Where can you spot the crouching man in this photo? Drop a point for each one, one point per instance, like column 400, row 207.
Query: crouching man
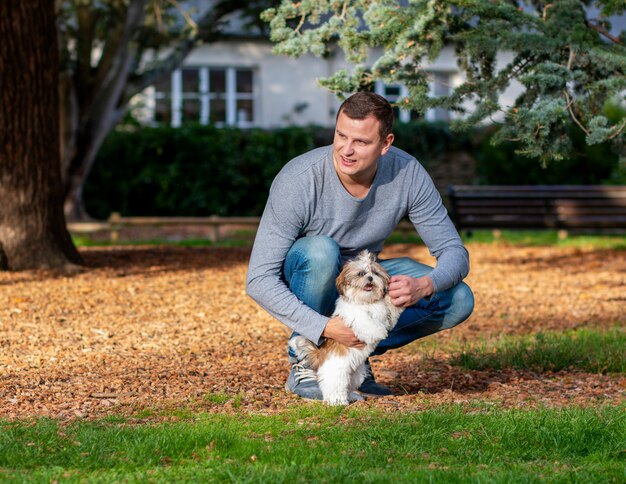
column 327, row 205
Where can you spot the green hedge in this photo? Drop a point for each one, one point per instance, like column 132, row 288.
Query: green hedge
column 203, row 170
column 189, row 171
column 586, row 165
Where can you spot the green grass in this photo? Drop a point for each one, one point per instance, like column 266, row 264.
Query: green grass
column 222, row 398
column 245, row 238
column 81, row 241
column 589, row 350
column 314, row 443
column 547, row 237
column 533, row 238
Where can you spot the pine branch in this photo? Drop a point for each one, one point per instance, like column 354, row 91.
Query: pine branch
column 570, row 101
column 601, row 30
column 618, row 131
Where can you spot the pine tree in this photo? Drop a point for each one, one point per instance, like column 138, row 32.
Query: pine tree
column 566, row 59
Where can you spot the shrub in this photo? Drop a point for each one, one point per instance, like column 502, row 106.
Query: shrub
column 190, row 171
column 586, row 165
column 203, row 170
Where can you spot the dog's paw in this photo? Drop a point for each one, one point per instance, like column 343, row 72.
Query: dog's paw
column 301, row 346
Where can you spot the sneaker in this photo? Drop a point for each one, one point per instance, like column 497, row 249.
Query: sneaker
column 302, row 381
column 370, row 387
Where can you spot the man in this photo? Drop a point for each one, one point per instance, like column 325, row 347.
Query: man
column 326, row 206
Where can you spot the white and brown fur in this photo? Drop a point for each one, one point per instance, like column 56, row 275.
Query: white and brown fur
column 366, row 308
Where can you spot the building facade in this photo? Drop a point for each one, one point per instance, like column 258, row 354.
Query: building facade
column 240, row 82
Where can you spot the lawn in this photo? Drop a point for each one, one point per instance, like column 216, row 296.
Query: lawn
column 153, row 365
column 311, row 442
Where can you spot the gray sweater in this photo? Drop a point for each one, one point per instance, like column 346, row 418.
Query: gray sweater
column 308, row 199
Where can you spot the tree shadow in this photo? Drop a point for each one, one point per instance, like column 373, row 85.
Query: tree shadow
column 163, row 258
column 577, row 261
column 437, row 376
column 140, row 260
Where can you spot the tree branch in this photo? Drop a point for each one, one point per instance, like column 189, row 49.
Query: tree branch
column 571, row 112
column 185, row 15
column 86, row 26
column 164, row 67
column 116, row 46
column 208, row 31
column 618, row 131
column 601, row 30
column 572, row 56
column 343, row 11
column 300, row 24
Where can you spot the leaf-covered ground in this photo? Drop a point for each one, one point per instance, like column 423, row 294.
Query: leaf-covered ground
column 172, row 327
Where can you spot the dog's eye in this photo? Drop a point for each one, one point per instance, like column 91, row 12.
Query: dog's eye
column 361, row 274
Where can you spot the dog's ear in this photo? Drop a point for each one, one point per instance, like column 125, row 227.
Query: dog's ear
column 366, row 254
column 340, row 282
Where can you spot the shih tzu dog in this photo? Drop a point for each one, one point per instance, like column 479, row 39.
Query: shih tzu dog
column 366, row 308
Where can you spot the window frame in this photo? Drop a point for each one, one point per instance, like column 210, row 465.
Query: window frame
column 380, row 87
column 205, row 96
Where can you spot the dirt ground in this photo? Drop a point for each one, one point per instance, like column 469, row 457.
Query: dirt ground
column 167, row 327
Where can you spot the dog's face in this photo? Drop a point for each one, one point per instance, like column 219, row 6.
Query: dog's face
column 363, row 280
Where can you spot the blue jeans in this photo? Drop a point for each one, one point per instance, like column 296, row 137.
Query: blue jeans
column 313, row 263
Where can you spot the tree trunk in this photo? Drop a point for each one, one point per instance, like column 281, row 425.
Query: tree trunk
column 93, row 99
column 88, row 139
column 33, row 233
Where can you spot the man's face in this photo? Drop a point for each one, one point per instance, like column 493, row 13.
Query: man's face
column 357, row 147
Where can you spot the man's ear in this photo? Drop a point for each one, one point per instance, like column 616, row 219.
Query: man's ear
column 387, row 143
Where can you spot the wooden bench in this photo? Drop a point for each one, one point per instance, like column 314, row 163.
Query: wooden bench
column 567, row 208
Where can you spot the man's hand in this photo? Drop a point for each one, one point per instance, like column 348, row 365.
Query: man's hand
column 337, row 330
column 405, row 291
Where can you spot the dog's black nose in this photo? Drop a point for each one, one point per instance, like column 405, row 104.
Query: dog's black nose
column 370, row 278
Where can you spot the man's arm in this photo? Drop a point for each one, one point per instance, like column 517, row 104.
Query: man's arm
column 280, row 226
column 430, row 218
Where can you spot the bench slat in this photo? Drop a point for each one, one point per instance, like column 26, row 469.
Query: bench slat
column 545, row 206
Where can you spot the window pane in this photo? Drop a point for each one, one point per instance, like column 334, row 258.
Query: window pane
column 392, row 92
column 164, row 85
column 190, row 80
column 441, row 83
column 217, row 80
column 441, row 114
column 191, row 110
column 415, row 116
column 244, row 80
column 218, row 111
column 163, row 110
column 245, row 111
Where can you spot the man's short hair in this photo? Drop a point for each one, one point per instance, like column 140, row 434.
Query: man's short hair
column 363, row 104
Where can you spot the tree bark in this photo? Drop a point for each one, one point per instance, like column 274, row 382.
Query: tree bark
column 33, row 233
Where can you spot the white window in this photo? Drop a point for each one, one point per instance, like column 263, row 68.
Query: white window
column 439, row 86
column 206, row 95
